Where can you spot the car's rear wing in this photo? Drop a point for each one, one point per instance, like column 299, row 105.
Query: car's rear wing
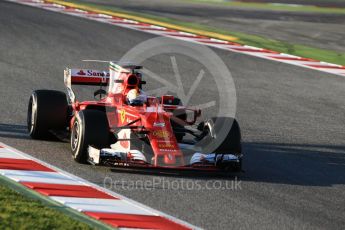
column 84, row 77
column 96, row 77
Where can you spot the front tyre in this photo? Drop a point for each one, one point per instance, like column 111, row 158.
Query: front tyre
column 222, row 135
column 90, row 128
column 47, row 110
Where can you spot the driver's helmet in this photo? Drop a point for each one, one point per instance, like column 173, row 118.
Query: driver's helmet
column 136, row 97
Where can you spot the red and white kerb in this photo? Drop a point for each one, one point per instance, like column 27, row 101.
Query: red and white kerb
column 81, row 195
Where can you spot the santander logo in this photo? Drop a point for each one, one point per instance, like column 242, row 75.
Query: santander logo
column 92, row 73
column 81, row 72
column 96, row 73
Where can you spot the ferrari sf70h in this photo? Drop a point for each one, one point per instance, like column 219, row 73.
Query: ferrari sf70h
column 118, row 131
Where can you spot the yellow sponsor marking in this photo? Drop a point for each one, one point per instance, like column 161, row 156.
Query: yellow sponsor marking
column 161, row 133
column 146, row 20
column 167, row 145
column 122, row 115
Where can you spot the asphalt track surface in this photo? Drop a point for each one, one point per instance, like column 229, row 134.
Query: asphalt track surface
column 292, row 121
column 320, row 30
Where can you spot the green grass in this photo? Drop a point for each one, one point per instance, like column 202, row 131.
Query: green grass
column 274, row 7
column 286, row 47
column 245, row 39
column 19, row 212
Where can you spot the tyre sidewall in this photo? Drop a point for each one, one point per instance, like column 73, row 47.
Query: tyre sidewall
column 93, row 131
column 49, row 112
column 79, row 152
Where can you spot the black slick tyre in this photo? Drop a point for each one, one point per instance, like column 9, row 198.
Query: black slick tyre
column 90, row 128
column 47, row 110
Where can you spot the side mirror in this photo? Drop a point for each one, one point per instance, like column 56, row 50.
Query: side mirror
column 167, row 100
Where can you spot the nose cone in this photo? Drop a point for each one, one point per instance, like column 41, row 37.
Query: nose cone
column 169, row 159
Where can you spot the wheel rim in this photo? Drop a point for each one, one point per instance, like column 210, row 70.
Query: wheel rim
column 206, row 131
column 32, row 110
column 75, row 136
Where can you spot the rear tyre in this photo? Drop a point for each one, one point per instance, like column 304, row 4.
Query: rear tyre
column 90, row 128
column 47, row 110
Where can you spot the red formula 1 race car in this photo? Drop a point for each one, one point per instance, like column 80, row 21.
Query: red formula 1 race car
column 125, row 128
